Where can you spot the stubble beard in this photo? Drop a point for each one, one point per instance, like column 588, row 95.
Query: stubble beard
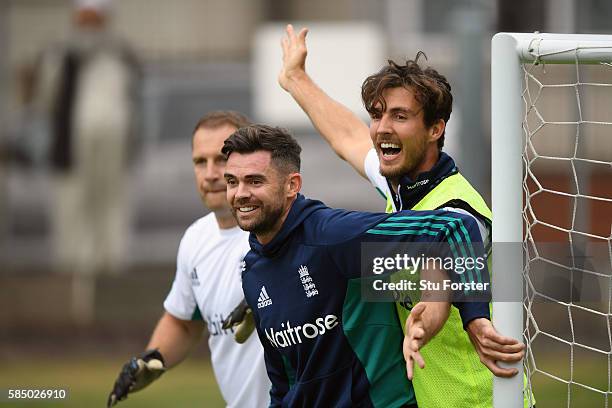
column 407, row 167
column 265, row 223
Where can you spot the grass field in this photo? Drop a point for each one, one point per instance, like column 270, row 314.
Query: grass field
column 191, row 384
column 591, row 371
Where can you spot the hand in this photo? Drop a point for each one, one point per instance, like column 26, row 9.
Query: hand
column 241, row 320
column 425, row 320
column 294, row 56
column 414, row 339
column 492, row 347
column 136, row 374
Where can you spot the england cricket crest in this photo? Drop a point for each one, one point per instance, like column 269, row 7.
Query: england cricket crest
column 309, row 286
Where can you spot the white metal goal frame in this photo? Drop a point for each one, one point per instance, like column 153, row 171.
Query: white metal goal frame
column 509, row 51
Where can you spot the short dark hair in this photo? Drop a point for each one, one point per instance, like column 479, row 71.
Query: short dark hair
column 283, row 147
column 219, row 118
column 431, row 89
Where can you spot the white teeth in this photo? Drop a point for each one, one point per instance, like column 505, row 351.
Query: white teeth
column 390, row 146
column 246, row 209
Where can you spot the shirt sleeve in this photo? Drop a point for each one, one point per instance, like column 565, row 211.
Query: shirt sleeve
column 448, row 236
column 460, row 240
column 485, row 232
column 181, row 302
column 371, row 166
column 473, row 310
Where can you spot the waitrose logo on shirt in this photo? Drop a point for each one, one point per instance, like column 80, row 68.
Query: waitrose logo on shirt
column 289, row 335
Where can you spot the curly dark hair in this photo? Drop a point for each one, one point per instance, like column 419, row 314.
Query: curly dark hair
column 431, row 90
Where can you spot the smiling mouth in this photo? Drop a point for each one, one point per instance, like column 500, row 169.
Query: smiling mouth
column 246, row 209
column 389, row 149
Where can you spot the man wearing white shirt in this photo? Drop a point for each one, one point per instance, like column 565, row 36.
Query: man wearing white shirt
column 206, row 288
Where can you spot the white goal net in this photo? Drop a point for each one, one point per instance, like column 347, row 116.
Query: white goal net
column 566, row 183
column 567, row 215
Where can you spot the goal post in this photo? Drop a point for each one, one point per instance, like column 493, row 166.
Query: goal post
column 506, row 202
column 508, row 137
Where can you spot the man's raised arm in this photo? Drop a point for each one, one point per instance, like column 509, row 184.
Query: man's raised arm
column 347, row 135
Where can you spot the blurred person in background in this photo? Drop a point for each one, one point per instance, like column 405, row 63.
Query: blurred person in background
column 401, row 155
column 86, row 95
column 206, row 288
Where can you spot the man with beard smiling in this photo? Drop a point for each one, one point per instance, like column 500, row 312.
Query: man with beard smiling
column 401, row 155
column 206, row 287
column 325, row 345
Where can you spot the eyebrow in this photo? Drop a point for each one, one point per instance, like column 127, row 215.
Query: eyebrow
column 396, row 109
column 402, row 109
column 255, row 176
column 247, row 177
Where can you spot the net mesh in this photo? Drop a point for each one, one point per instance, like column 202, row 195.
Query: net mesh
column 567, row 215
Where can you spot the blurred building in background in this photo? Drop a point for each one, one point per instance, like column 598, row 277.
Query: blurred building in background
column 200, row 55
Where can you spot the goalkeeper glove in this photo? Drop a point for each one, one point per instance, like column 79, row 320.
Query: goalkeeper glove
column 136, row 374
column 241, row 320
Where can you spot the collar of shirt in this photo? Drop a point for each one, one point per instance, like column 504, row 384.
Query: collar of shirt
column 410, row 192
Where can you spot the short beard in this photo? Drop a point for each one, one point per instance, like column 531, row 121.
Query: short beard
column 265, row 224
column 395, row 173
column 405, row 168
column 269, row 221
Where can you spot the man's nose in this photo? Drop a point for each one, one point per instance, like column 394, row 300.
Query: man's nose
column 213, row 172
column 384, row 125
column 243, row 191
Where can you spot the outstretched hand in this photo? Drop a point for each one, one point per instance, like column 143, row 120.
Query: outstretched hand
column 414, row 339
column 294, row 56
column 424, row 322
column 493, row 347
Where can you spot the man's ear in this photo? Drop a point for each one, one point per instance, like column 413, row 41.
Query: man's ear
column 294, row 183
column 437, row 130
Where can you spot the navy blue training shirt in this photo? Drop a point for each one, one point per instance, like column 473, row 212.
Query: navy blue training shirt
column 324, row 345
